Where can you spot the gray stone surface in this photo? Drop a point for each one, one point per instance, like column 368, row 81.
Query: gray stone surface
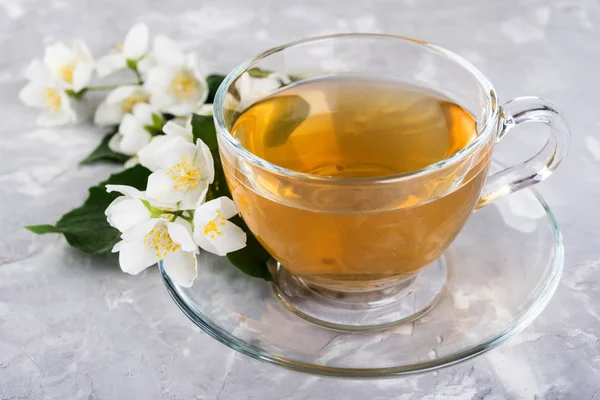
column 75, row 327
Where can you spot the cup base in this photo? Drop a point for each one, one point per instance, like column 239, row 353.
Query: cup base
column 353, row 310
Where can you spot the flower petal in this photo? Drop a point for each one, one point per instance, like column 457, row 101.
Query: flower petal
column 150, row 155
column 208, row 211
column 194, row 197
column 167, row 52
column 57, row 55
column 143, row 112
column 51, row 118
column 145, row 64
column 179, row 110
column 165, row 151
column 180, row 232
column 139, row 231
column 206, row 109
column 110, row 63
column 32, row 95
column 82, row 74
column 115, row 142
column 205, row 213
column 135, row 256
column 108, row 114
column 227, row 237
column 204, row 160
column 116, row 96
column 82, row 51
column 174, row 129
column 204, row 243
column 181, row 266
column 132, row 162
column 232, row 238
column 194, row 62
column 253, row 89
column 136, row 41
column 225, row 205
column 124, row 213
column 117, row 247
column 176, row 149
column 134, row 140
column 160, row 77
column 161, row 187
column 37, row 71
column 126, row 190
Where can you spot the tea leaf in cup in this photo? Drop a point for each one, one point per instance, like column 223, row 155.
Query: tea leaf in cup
column 290, row 112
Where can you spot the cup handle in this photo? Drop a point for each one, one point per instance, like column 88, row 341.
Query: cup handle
column 520, row 111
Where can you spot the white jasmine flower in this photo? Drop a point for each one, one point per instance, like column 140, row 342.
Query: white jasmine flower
column 132, row 135
column 251, row 89
column 126, row 211
column 147, row 239
column 119, row 102
column 184, row 171
column 212, row 230
column 71, row 67
column 206, row 109
column 161, row 145
column 134, row 48
column 45, row 93
column 176, row 84
column 186, row 121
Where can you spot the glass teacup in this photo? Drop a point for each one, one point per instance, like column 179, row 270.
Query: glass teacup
column 348, row 250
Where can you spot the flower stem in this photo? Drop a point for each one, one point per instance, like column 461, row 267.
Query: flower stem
column 139, row 76
column 133, row 65
column 105, row 87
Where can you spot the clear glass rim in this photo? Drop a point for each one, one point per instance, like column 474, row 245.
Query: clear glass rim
column 546, row 290
column 488, row 126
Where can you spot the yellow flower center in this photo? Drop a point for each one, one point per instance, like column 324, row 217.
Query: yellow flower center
column 184, row 85
column 212, row 227
column 128, row 103
column 53, row 100
column 118, row 49
column 66, row 72
column 158, row 239
column 185, row 174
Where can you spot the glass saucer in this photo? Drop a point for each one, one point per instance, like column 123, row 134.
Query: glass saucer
column 503, row 268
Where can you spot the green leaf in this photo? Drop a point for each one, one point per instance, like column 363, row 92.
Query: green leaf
column 203, row 127
column 157, row 121
column 153, row 130
column 213, row 81
column 289, row 111
column 104, row 153
column 253, row 258
column 86, row 227
column 219, row 187
column 132, row 64
column 259, row 72
column 42, row 229
column 76, row 95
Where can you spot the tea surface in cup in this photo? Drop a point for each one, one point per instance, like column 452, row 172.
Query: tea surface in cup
column 356, row 127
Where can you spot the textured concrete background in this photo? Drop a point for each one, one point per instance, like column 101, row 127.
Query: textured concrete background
column 75, row 327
